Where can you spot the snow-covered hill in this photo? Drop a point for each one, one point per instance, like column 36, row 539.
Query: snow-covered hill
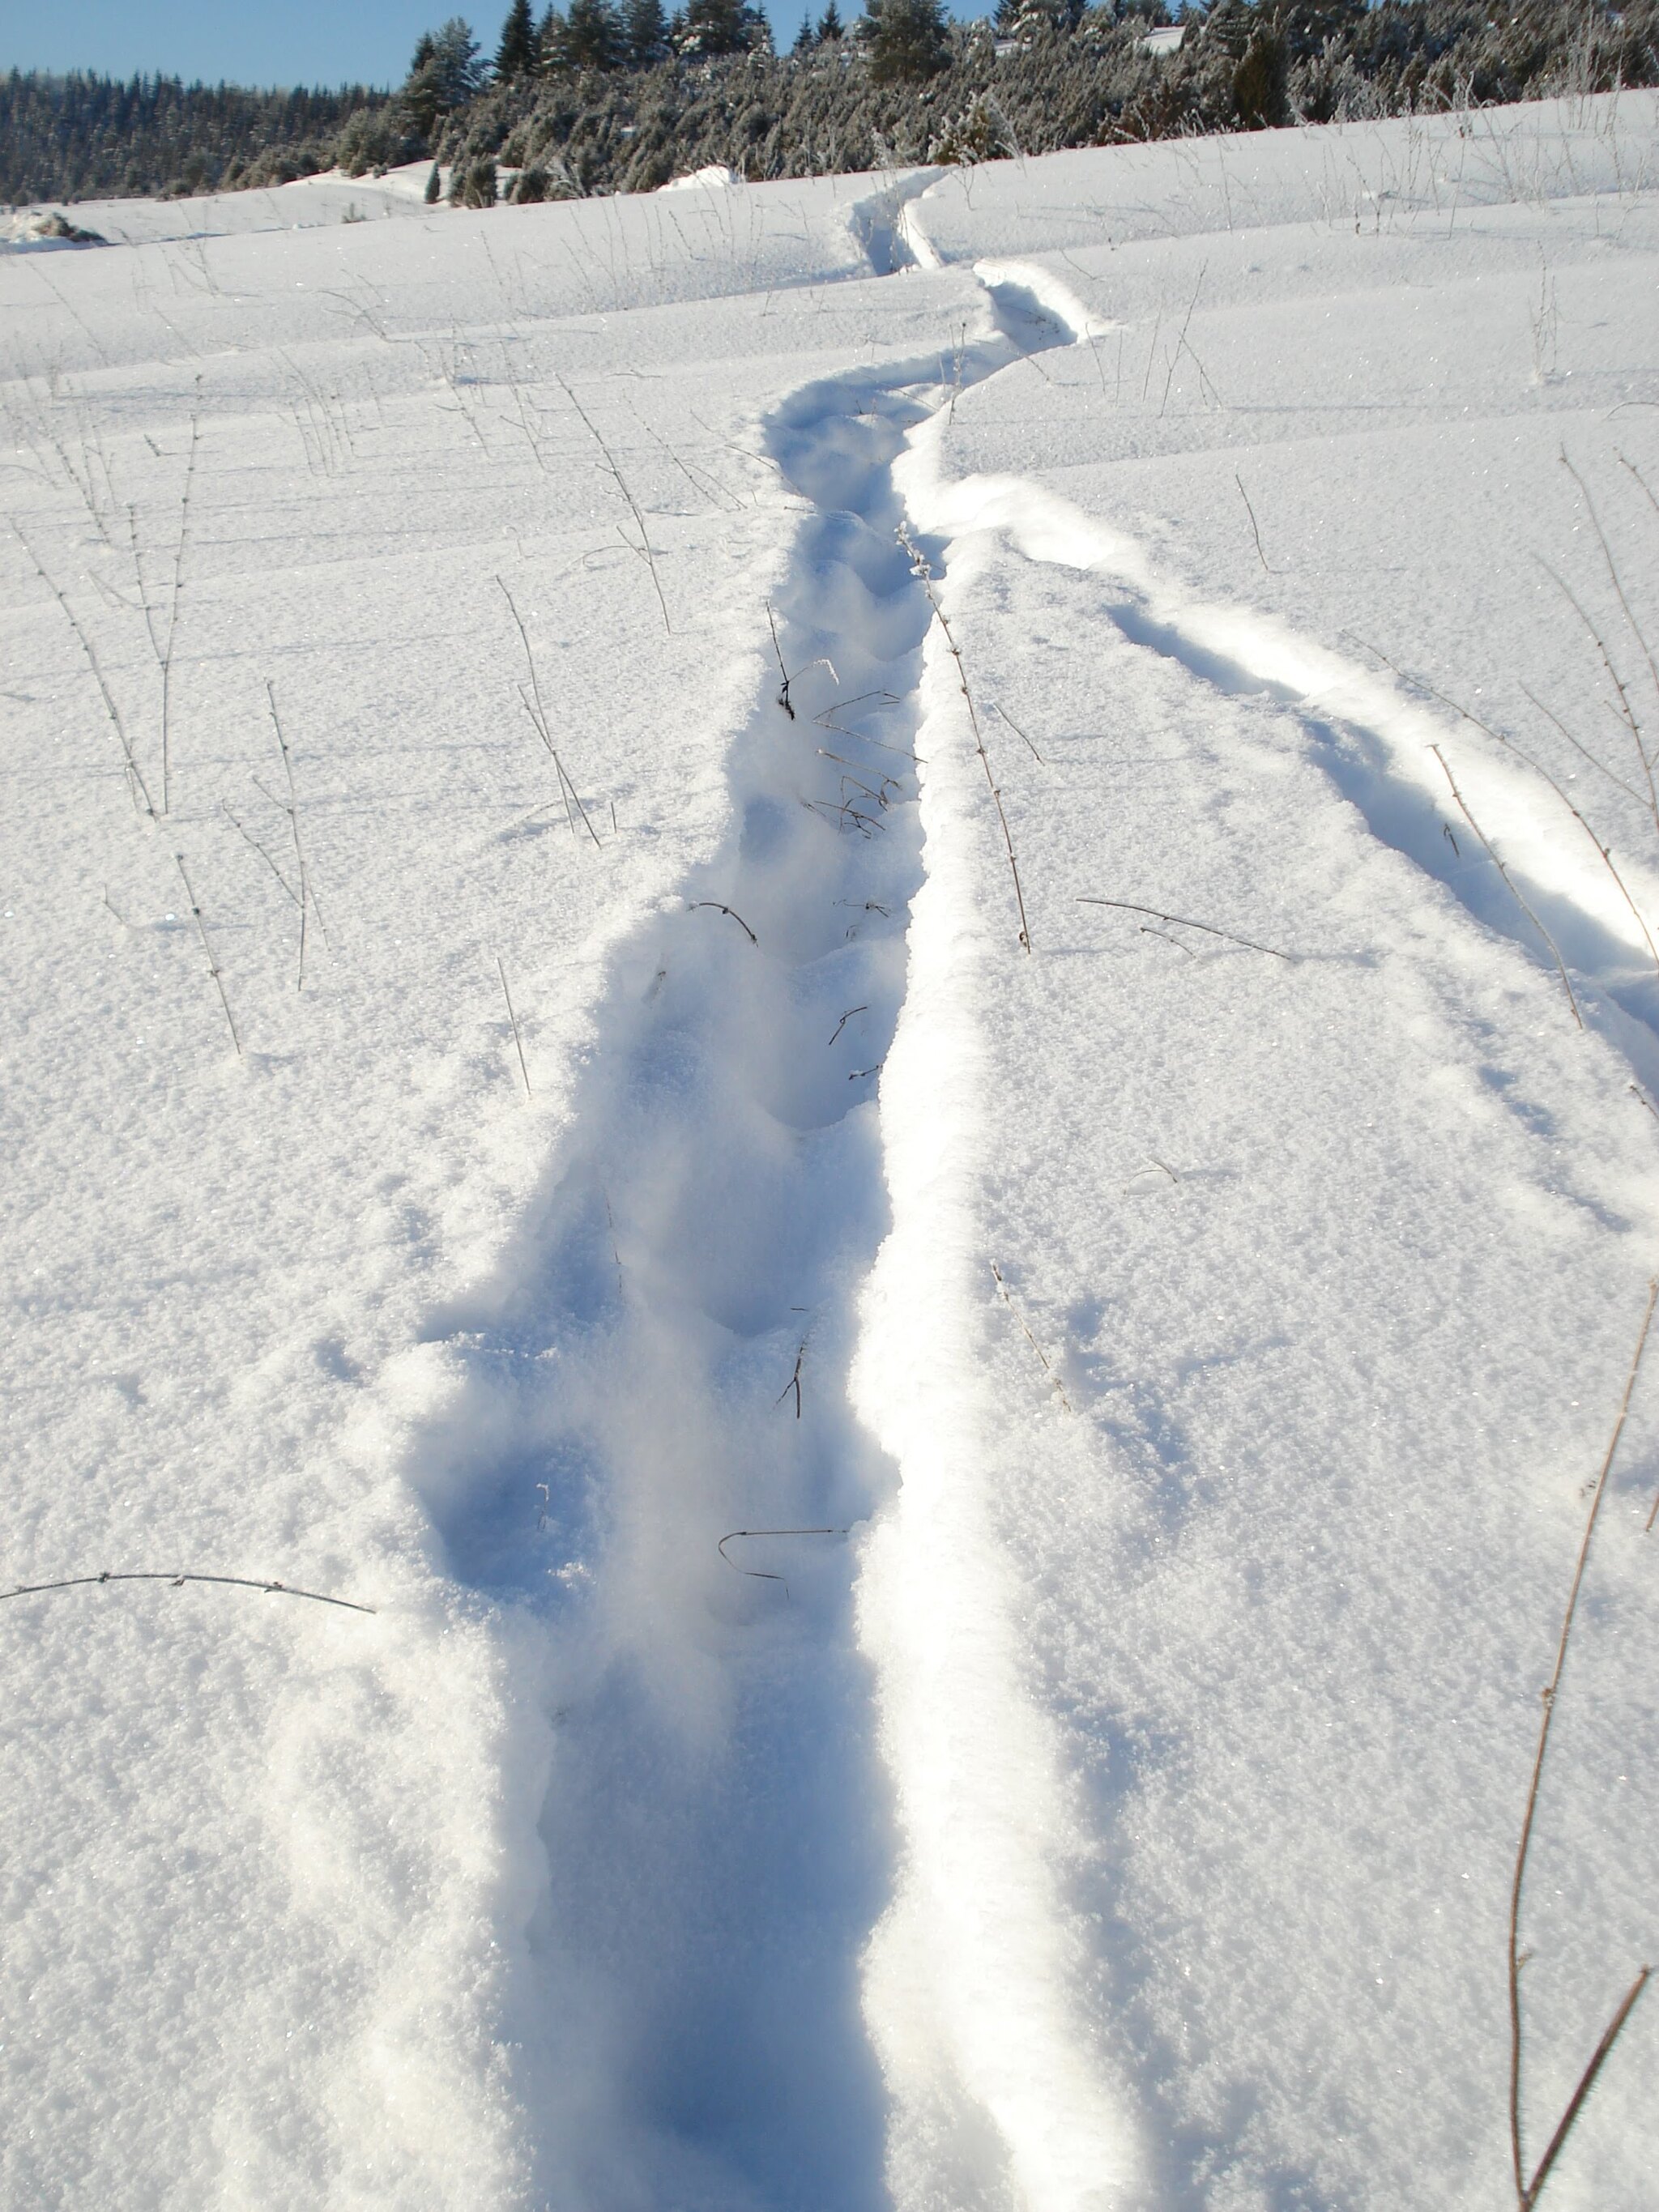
column 859, row 979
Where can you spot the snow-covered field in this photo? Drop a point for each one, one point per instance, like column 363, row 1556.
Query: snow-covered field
column 833, row 838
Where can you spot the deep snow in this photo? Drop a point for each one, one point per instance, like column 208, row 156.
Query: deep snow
column 1188, row 1358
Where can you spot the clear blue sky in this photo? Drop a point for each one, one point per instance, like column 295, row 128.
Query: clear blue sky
column 279, row 42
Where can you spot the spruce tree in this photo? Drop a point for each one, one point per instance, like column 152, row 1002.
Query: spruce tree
column 724, row 26
column 550, row 42
column 905, row 39
column 806, row 38
column 593, row 35
column 515, row 57
column 830, row 25
column 645, row 33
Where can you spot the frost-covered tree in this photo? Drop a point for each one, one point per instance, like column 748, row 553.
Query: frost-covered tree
column 516, row 55
column 905, row 39
column 1036, row 18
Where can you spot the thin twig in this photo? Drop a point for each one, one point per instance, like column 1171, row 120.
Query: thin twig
column 213, row 965
column 1255, row 531
column 783, row 695
column 1185, row 921
column 845, row 1018
column 1031, row 1339
column 164, row 1575
column 1566, row 982
column 172, row 614
column 1526, row 2195
column 736, row 917
column 293, row 812
column 539, row 712
column 1586, row 2083
column 136, row 788
column 794, row 1383
column 763, row 1574
column 258, row 847
column 998, row 708
column 643, row 549
column 1500, row 738
column 1613, row 570
column 920, row 568
column 1624, row 707
column 514, row 1018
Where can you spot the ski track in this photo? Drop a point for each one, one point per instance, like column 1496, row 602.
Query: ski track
column 758, row 1760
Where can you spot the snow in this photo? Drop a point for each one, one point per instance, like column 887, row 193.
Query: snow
column 1177, row 1360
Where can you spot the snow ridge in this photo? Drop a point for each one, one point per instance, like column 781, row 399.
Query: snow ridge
column 1374, row 740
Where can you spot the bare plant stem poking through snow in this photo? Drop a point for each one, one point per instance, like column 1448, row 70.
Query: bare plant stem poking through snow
column 920, row 568
column 1186, row 921
column 1462, row 808
column 516, row 1039
column 173, row 616
column 763, row 1574
column 1007, row 1301
column 1255, row 531
column 1613, row 576
column 644, row 548
column 176, row 1581
column 536, row 709
column 794, row 1383
column 213, row 965
column 1627, row 711
column 783, row 694
column 1500, row 738
column 735, row 916
column 292, row 810
column 137, row 789
column 997, row 708
column 1527, row 2193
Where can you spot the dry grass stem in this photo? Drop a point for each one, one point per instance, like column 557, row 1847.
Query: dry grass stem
column 1527, row 2193
column 176, row 1581
column 731, row 911
column 1185, row 921
column 137, row 789
column 213, row 965
column 514, row 1018
column 920, row 568
column 172, row 615
column 644, row 548
column 1047, row 1370
column 1462, row 808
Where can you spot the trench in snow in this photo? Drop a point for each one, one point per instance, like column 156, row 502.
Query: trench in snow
column 663, row 1359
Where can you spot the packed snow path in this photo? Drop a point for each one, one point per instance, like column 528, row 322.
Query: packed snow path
column 656, row 1383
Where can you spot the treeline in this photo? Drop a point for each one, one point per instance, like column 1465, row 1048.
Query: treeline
column 615, row 95
column 92, row 137
column 908, row 88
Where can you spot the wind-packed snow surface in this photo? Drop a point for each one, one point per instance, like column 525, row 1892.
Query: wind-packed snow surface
column 860, row 979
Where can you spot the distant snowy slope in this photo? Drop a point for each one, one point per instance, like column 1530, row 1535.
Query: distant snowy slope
column 964, row 1535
